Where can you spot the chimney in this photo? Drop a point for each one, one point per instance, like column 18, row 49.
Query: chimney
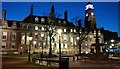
column 66, row 15
column 3, row 15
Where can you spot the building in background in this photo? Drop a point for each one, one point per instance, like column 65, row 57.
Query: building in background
column 15, row 34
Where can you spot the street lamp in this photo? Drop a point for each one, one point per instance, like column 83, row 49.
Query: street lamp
column 34, row 42
column 59, row 31
column 30, row 39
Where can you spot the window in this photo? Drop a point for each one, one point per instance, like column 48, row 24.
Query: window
column 28, row 27
column 36, row 28
column 44, row 45
column 71, row 30
column 42, row 28
column 23, row 38
column 4, row 37
column 14, row 26
column 13, row 45
column 3, row 45
column 42, row 37
column 64, row 30
column 42, row 20
column 64, row 22
column 13, row 36
column 36, row 36
column 65, row 38
column 59, row 21
column 5, row 25
column 23, row 27
column 65, row 45
column 36, row 19
column 74, row 30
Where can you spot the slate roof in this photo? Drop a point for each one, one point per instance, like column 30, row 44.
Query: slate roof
column 30, row 19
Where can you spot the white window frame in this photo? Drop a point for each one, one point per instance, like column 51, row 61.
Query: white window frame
column 4, row 34
column 3, row 44
column 13, row 44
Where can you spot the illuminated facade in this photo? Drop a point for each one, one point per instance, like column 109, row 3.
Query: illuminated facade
column 15, row 34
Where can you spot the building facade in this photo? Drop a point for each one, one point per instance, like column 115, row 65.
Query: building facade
column 43, row 29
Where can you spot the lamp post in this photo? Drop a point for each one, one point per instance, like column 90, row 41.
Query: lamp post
column 30, row 38
column 42, row 35
column 34, row 42
column 59, row 31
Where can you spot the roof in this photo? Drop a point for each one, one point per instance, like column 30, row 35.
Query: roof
column 37, row 20
column 10, row 22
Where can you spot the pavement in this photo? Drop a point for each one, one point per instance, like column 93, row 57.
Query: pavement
column 21, row 63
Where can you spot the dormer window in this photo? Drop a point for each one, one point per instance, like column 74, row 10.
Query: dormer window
column 5, row 25
column 42, row 20
column 42, row 28
column 36, row 20
column 14, row 26
column 59, row 21
column 64, row 22
column 48, row 20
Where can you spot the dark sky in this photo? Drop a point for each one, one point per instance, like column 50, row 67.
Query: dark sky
column 106, row 12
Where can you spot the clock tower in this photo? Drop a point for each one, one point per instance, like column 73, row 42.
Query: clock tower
column 90, row 20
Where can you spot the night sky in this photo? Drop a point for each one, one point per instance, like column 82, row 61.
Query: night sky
column 106, row 12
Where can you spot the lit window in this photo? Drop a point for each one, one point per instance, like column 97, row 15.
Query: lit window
column 64, row 30
column 65, row 37
column 13, row 36
column 36, row 19
column 42, row 20
column 74, row 30
column 23, row 38
column 71, row 30
column 3, row 45
column 42, row 28
column 61, row 45
column 42, row 37
column 4, row 37
column 44, row 44
column 99, row 32
column 36, row 27
column 65, row 45
column 13, row 45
